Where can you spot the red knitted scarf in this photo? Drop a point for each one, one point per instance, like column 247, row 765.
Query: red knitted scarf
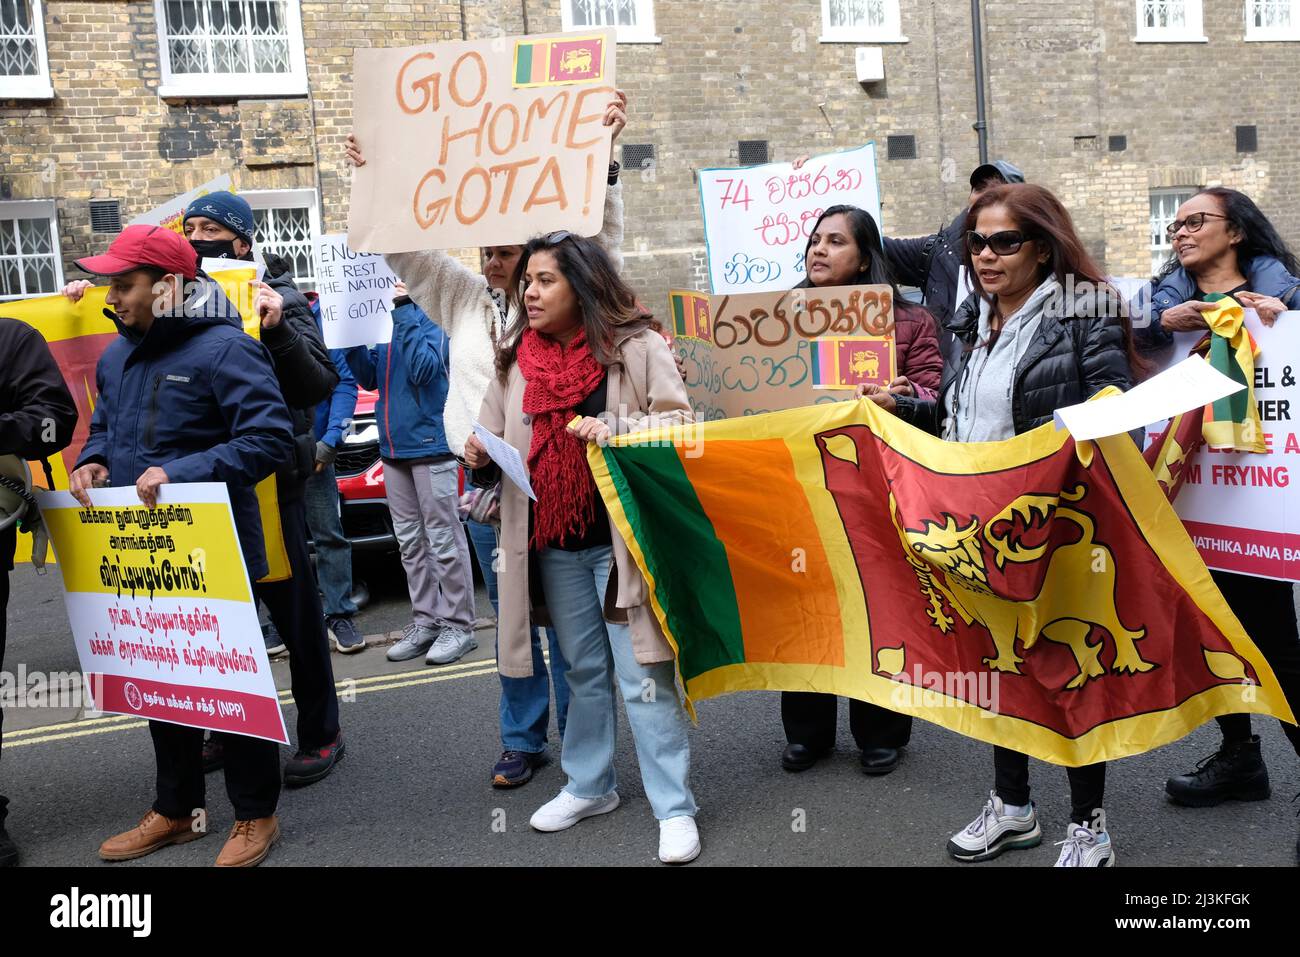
column 558, row 379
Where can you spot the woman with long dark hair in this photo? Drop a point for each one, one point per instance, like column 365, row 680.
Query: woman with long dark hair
column 1224, row 245
column 579, row 345
column 845, row 249
column 1042, row 330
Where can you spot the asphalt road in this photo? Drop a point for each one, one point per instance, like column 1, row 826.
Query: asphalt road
column 414, row 787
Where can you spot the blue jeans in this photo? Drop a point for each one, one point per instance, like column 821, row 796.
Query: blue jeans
column 600, row 654
column 525, row 702
column 333, row 551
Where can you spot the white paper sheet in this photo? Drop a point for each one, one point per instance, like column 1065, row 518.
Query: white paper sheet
column 507, row 457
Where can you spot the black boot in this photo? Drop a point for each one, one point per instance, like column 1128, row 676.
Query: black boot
column 8, row 849
column 1236, row 772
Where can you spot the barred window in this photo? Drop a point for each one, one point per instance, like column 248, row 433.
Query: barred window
column 24, row 71
column 1273, row 19
column 29, row 250
column 285, row 222
column 1164, row 208
column 861, row 21
column 1170, row 21
column 633, row 19
column 229, row 47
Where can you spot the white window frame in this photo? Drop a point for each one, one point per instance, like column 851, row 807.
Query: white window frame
column 1161, row 246
column 36, row 209
column 293, row 83
column 643, row 32
column 36, row 87
column 1256, row 34
column 1191, row 32
column 292, row 199
column 890, row 32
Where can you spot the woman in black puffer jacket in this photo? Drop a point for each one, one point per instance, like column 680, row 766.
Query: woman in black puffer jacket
column 1042, row 330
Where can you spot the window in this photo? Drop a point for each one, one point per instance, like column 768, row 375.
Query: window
column 1164, row 207
column 634, row 19
column 861, row 21
column 1273, row 19
column 1169, row 21
column 230, row 48
column 286, row 222
column 24, row 71
column 29, row 249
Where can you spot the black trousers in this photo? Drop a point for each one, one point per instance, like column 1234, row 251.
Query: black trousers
column 296, row 610
column 1087, row 784
column 809, row 719
column 252, row 768
column 1266, row 609
column 5, row 559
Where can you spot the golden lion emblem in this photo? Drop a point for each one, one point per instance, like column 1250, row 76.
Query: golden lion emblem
column 576, row 61
column 949, row 561
column 865, row 364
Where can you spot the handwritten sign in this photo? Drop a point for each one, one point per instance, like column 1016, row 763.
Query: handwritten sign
column 770, row 351
column 483, row 142
column 757, row 220
column 1242, row 508
column 161, row 608
column 356, row 294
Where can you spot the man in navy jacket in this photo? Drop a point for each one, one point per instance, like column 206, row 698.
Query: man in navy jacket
column 186, row 396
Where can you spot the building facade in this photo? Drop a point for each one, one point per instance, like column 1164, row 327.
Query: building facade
column 1123, row 107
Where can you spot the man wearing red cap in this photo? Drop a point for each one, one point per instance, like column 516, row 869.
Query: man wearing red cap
column 186, row 396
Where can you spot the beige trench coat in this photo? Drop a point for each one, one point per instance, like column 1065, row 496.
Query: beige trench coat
column 644, row 391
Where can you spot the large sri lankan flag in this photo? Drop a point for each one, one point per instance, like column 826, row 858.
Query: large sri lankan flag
column 1032, row 594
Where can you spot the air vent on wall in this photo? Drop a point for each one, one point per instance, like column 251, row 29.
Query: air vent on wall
column 105, row 216
column 901, row 147
column 1247, row 139
column 752, row 152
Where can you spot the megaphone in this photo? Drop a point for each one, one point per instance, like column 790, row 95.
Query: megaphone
column 17, row 504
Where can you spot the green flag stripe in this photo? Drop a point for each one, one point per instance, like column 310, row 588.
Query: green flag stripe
column 524, row 64
column 683, row 555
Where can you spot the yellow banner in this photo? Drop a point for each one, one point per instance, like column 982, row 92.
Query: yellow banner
column 139, row 552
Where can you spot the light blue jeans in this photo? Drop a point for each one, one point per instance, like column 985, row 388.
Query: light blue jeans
column 600, row 656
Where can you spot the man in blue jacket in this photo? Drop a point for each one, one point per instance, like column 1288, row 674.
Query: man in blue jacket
column 186, row 396
column 333, row 550
column 420, row 481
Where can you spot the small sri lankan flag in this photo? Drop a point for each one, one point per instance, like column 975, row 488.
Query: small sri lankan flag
column 691, row 316
column 845, row 362
column 558, row 62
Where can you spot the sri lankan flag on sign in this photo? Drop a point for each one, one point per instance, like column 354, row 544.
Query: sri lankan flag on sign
column 1026, row 593
column 690, row 315
column 555, row 62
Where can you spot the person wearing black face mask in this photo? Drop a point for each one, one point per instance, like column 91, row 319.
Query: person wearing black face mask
column 220, row 226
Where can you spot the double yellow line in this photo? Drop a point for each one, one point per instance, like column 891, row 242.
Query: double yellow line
column 348, row 687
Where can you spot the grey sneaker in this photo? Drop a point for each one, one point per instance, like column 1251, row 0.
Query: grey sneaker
column 452, row 645
column 415, row 639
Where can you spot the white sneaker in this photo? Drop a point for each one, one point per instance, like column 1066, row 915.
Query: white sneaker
column 415, row 638
column 564, row 810
column 679, row 840
column 452, row 645
column 995, row 831
column 1083, row 847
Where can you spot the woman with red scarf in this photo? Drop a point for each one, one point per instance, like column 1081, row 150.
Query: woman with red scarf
column 580, row 346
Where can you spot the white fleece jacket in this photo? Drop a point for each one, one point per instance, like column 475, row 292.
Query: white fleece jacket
column 458, row 300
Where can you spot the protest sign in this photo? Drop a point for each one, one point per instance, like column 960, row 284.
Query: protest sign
column 161, row 608
column 482, row 142
column 1240, row 508
column 171, row 213
column 757, row 219
column 356, row 294
column 763, row 352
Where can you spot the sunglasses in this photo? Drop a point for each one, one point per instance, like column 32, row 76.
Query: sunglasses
column 1005, row 243
column 1193, row 223
column 558, row 236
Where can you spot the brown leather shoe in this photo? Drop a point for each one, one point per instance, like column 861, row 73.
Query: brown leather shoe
column 249, row 842
column 153, row 832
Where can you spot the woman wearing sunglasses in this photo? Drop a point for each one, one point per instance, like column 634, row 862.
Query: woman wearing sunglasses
column 579, row 345
column 473, row 312
column 845, row 249
column 1223, row 243
column 1027, row 348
